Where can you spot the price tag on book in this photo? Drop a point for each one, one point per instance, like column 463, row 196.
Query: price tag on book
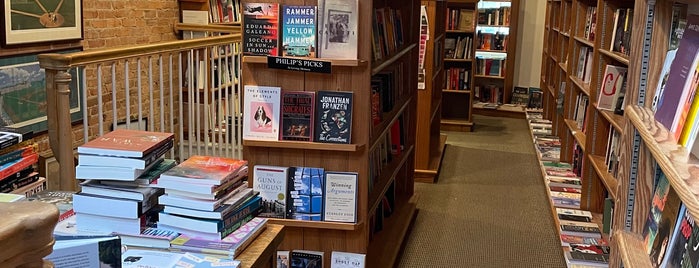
column 298, row 64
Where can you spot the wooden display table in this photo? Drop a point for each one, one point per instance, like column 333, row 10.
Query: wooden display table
column 26, row 234
column 263, row 250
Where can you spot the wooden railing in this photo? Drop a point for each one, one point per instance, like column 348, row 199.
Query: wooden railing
column 187, row 87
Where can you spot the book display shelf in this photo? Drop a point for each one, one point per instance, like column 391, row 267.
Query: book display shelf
column 601, row 64
column 457, row 83
column 494, row 59
column 385, row 204
column 429, row 142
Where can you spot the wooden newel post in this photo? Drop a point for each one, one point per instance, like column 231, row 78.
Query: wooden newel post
column 59, row 125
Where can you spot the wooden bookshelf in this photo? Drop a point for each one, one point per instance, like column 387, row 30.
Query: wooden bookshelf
column 429, row 147
column 644, row 143
column 396, row 178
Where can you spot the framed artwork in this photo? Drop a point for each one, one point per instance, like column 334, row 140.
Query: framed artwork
column 23, row 93
column 35, row 21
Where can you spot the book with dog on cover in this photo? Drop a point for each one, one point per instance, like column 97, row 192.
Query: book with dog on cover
column 261, row 109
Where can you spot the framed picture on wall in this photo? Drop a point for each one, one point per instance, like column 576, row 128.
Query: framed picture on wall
column 35, row 21
column 23, row 93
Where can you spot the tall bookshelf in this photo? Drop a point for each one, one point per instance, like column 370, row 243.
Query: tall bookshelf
column 393, row 180
column 430, row 143
column 643, row 142
column 494, row 59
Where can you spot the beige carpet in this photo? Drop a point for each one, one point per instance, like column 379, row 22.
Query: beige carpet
column 488, row 207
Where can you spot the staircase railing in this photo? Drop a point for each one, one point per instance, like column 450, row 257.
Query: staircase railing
column 187, row 87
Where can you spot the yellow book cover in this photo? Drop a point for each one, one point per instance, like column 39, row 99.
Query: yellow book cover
column 691, row 116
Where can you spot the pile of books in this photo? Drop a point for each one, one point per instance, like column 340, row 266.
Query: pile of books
column 117, row 168
column 17, row 160
column 582, row 239
column 207, row 197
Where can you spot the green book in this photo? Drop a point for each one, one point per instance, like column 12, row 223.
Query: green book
column 608, row 215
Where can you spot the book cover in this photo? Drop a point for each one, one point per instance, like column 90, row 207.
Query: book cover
column 261, row 108
column 666, row 226
column 124, row 162
column 660, row 196
column 306, row 259
column 283, row 257
column 574, row 239
column 299, row 31
column 271, row 183
column 333, row 117
column 89, row 251
column 340, row 197
column 574, row 214
column 149, row 237
column 141, row 258
column 664, row 75
column 305, row 193
column 126, row 143
column 297, row 115
column 340, row 259
column 232, row 244
column 61, row 199
column 679, row 240
column 199, row 169
column 681, row 72
column 586, row 229
column 338, row 29
column 261, row 29
column 612, row 82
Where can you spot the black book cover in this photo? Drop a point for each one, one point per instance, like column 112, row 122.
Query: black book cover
column 261, row 29
column 333, row 117
column 297, row 115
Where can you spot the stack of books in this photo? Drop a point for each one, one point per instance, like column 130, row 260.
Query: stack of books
column 117, row 168
column 17, row 160
column 564, row 185
column 582, row 239
column 207, row 197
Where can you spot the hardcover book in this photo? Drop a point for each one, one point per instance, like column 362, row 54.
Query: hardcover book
column 126, row 143
column 299, row 31
column 610, row 90
column 679, row 241
column 585, row 229
column 89, row 251
column 573, row 239
column 333, row 117
column 337, row 28
column 233, row 244
column 149, row 237
column 261, row 29
column 347, row 260
column 680, row 75
column 660, row 197
column 305, row 193
column 124, row 162
column 306, row 259
column 209, row 170
column 297, row 115
column 340, row 197
column 574, row 214
column 261, row 109
column 271, row 183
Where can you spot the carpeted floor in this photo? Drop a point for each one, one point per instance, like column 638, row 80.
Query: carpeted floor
column 488, row 207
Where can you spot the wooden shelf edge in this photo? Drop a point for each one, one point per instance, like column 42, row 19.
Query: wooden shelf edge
column 675, row 161
column 577, row 133
column 457, row 60
column 333, row 62
column 489, row 76
column 316, row 224
column 617, row 121
column 378, row 68
column 584, row 41
column 584, row 87
column 615, row 55
column 386, row 245
column 388, row 175
column 456, row 122
column 457, row 91
column 607, row 179
column 305, row 145
column 630, row 248
column 430, row 175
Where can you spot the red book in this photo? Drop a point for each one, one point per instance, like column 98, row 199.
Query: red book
column 126, row 143
column 13, row 167
column 210, row 170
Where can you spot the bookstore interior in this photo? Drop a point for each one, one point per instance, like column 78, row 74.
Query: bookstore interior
column 305, row 126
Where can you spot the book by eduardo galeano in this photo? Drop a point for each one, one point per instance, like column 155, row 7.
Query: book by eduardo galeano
column 297, row 115
column 126, row 143
column 261, row 29
column 261, row 109
column 333, row 117
column 299, row 31
column 337, row 29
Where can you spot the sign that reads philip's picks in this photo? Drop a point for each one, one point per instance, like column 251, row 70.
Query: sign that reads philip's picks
column 296, row 64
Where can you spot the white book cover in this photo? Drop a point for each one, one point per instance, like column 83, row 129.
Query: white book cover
column 338, row 29
column 340, row 197
column 610, row 88
column 347, row 260
column 271, row 183
column 261, row 108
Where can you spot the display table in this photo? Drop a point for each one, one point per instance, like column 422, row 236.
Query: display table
column 262, row 251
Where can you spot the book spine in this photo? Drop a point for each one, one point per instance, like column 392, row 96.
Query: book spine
column 18, row 180
column 26, row 162
column 230, row 229
column 247, row 209
column 31, row 190
column 157, row 153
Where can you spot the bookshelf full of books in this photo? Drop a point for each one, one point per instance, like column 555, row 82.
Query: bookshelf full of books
column 459, row 51
column 495, row 43
column 329, row 100
column 631, row 72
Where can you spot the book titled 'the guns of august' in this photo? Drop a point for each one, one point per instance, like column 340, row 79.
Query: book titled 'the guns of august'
column 297, row 115
column 261, row 29
column 333, row 117
column 299, row 31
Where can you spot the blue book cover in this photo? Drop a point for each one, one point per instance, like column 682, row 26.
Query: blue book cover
column 299, row 31
column 306, row 194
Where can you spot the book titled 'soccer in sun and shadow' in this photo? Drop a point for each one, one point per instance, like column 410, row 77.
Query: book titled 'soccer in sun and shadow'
column 333, row 117
column 261, row 29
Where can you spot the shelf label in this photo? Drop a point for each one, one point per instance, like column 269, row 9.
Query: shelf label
column 301, row 65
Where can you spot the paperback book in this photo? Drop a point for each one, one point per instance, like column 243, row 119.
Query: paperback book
column 611, row 87
column 333, row 117
column 337, row 28
column 261, row 29
column 299, row 31
column 261, row 107
column 271, row 183
column 305, row 197
column 126, row 143
column 306, row 259
column 297, row 115
column 199, row 169
column 340, row 197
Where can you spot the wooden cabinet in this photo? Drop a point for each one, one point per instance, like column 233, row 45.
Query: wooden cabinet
column 429, row 143
column 385, row 201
